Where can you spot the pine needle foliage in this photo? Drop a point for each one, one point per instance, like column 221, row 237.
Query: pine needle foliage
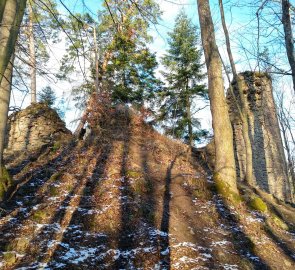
column 183, row 74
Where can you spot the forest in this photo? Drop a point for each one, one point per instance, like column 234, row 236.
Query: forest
column 147, row 135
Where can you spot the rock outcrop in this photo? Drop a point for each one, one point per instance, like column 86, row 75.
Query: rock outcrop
column 34, row 127
column 269, row 164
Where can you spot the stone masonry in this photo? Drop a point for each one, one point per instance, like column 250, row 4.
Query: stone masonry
column 34, row 127
column 269, row 163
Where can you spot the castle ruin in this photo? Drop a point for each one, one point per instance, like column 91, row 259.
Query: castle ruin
column 269, row 163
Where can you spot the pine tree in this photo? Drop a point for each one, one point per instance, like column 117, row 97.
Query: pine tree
column 183, row 75
column 130, row 72
column 125, row 65
column 47, row 95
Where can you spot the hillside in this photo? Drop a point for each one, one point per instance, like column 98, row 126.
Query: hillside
column 127, row 197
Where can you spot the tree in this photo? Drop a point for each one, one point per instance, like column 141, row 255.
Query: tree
column 38, row 28
column 126, row 66
column 242, row 104
column 11, row 14
column 289, row 41
column 47, row 95
column 225, row 169
column 130, row 67
column 184, row 73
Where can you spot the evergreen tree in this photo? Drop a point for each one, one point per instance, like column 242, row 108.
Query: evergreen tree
column 131, row 67
column 47, row 96
column 183, row 75
column 126, row 66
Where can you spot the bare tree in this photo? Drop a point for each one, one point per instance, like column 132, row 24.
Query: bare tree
column 33, row 71
column 11, row 12
column 243, row 106
column 287, row 123
column 223, row 136
column 289, row 41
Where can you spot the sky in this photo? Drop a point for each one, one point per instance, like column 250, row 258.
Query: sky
column 238, row 21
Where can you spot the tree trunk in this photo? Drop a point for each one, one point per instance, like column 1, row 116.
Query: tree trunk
column 11, row 19
column 289, row 42
column 189, row 117
column 11, row 12
column 5, row 89
column 243, row 101
column 225, row 167
column 96, row 61
column 32, row 55
column 189, row 125
column 2, row 6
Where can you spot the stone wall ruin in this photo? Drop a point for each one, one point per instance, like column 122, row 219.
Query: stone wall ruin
column 269, row 163
column 33, row 127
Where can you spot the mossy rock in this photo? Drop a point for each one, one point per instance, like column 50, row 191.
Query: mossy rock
column 134, row 174
column 56, row 146
column 5, row 182
column 55, row 177
column 39, row 216
column 19, row 245
column 225, row 191
column 279, row 222
column 9, row 258
column 53, row 191
column 258, row 204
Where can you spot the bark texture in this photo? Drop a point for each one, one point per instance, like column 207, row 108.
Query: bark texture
column 5, row 88
column 33, row 73
column 12, row 13
column 223, row 136
column 289, row 41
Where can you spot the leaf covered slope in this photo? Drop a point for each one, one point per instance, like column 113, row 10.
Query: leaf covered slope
column 127, row 197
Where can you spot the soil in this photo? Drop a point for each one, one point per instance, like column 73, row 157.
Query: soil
column 127, row 197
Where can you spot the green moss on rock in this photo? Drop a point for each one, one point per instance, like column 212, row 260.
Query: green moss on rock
column 5, row 182
column 134, row 174
column 19, row 245
column 225, row 191
column 53, row 191
column 258, row 204
column 9, row 258
column 39, row 216
column 56, row 146
column 279, row 222
column 55, row 177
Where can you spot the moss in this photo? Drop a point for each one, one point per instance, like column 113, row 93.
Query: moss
column 39, row 216
column 225, row 191
column 133, row 174
column 258, row 204
column 9, row 258
column 5, row 182
column 279, row 222
column 53, row 191
column 19, row 245
column 55, row 177
column 56, row 146
column 69, row 187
